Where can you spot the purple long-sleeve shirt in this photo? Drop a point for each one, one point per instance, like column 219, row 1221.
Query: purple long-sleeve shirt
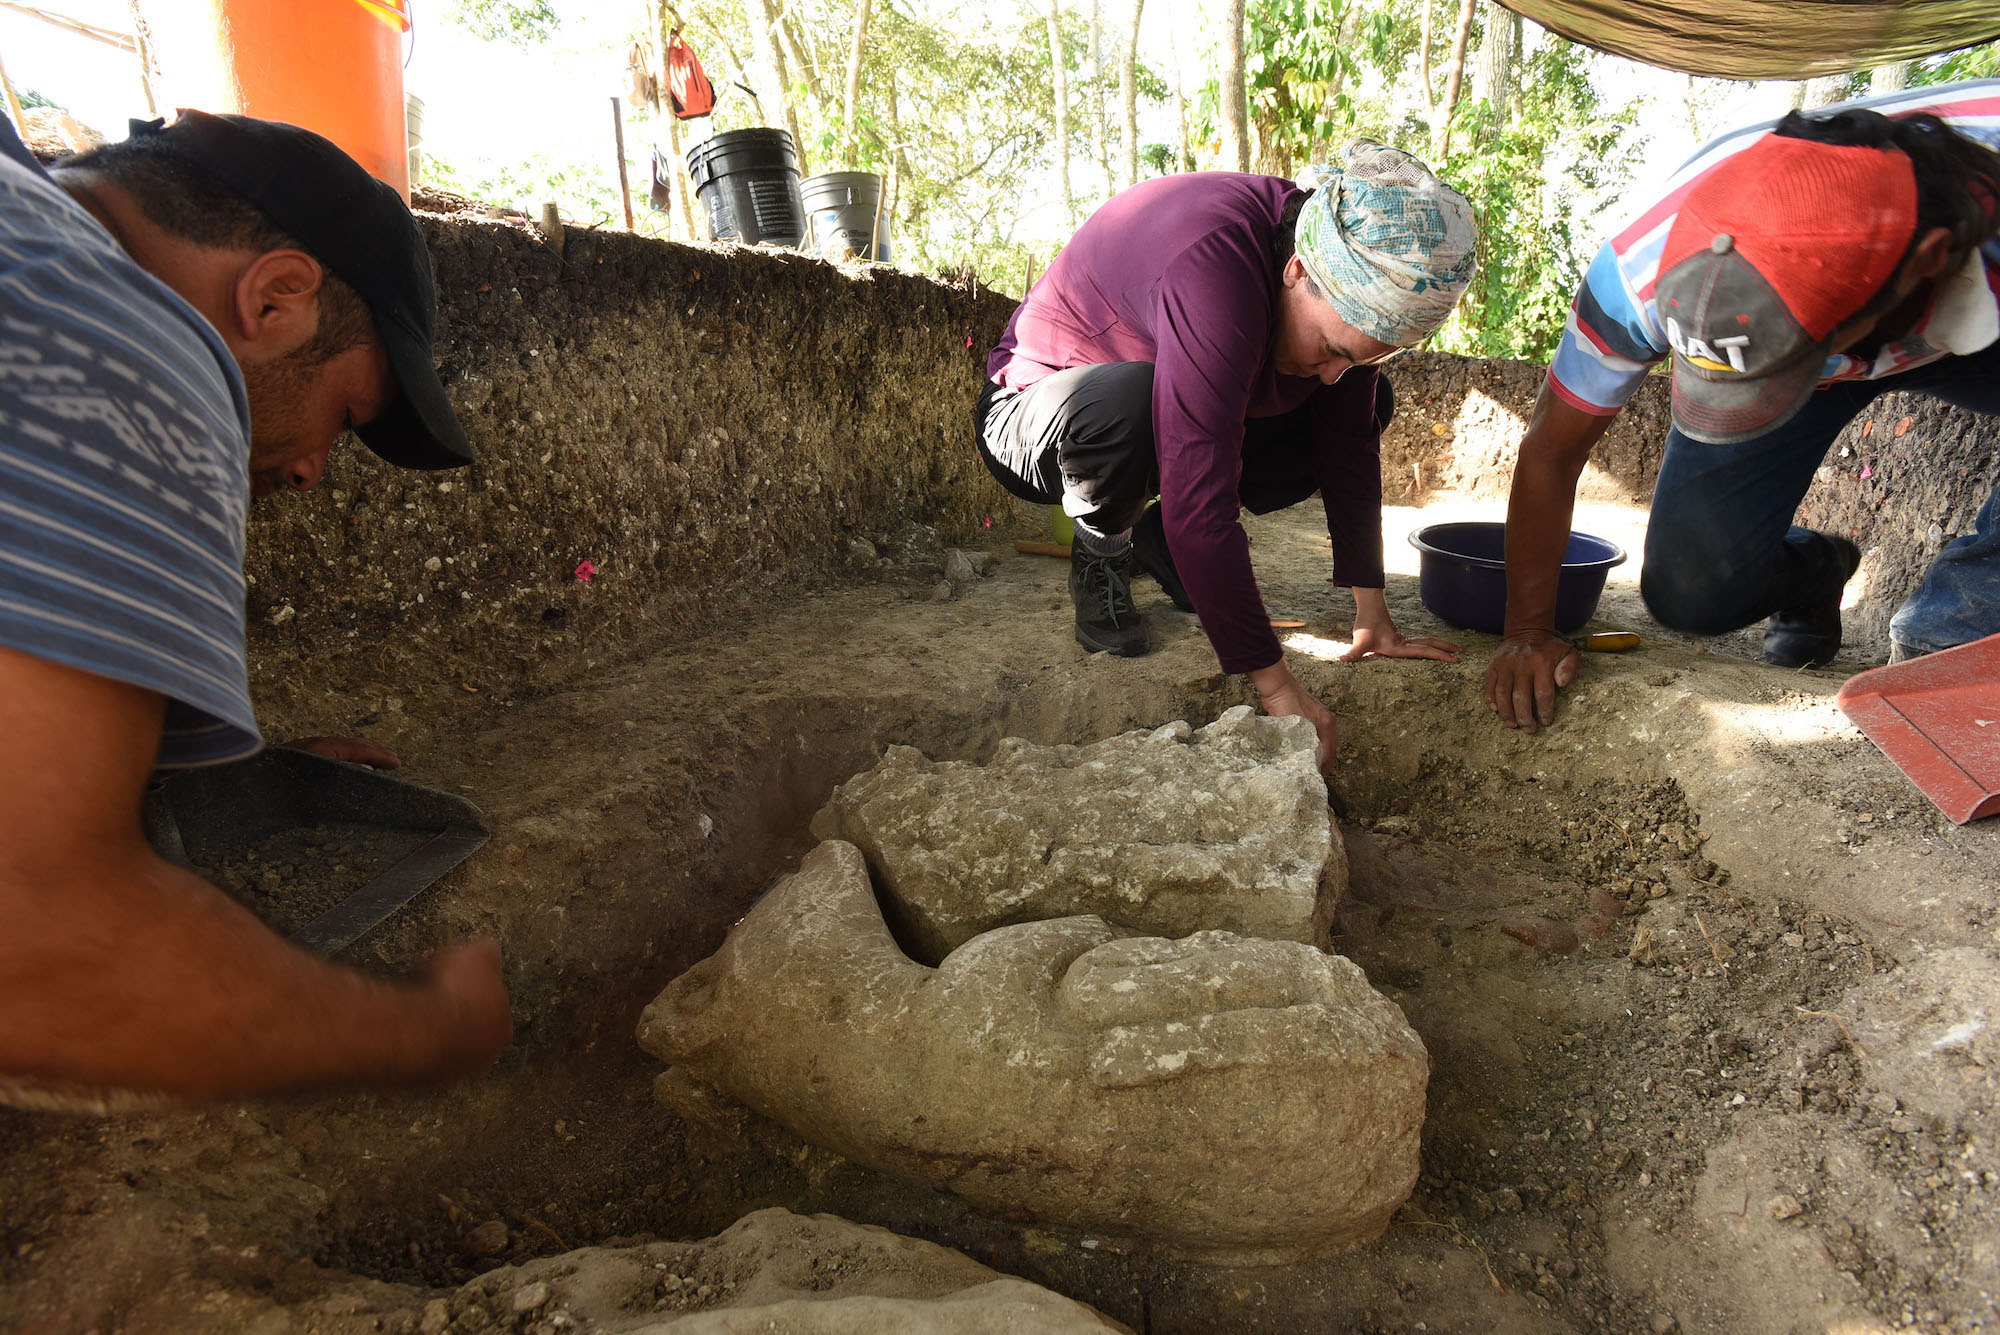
column 1178, row 271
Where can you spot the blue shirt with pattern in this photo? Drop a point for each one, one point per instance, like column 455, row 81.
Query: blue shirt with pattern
column 124, row 471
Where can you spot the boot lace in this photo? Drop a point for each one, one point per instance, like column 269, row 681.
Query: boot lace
column 1101, row 583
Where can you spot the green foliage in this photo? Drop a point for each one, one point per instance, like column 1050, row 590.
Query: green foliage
column 1321, row 73
column 1972, row 62
column 956, row 118
column 1536, row 187
column 523, row 22
column 585, row 197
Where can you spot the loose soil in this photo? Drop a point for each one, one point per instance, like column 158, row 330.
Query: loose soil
column 1696, row 968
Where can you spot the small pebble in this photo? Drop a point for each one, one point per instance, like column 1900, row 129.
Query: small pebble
column 530, row 1297
column 489, row 1239
column 1663, row 1323
column 1784, row 1206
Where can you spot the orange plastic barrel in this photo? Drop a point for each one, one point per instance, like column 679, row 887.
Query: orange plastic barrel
column 333, row 66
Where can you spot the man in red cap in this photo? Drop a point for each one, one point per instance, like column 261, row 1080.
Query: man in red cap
column 188, row 319
column 1793, row 274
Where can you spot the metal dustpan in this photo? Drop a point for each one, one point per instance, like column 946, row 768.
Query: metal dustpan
column 318, row 848
column 1938, row 718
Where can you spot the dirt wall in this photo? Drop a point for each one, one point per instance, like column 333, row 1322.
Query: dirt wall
column 1459, row 422
column 1905, row 478
column 707, row 428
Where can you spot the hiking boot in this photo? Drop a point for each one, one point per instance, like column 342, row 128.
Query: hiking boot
column 1107, row 620
column 1809, row 635
column 1150, row 550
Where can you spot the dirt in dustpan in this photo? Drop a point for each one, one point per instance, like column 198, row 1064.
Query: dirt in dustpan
column 1938, row 718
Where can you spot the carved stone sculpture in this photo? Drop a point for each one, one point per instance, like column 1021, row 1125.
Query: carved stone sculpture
column 1169, row 832
column 1217, row 1098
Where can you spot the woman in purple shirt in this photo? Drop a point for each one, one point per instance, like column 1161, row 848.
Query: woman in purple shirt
column 1211, row 339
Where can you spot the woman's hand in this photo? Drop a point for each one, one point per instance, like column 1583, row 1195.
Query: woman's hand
column 1375, row 634
column 1284, row 696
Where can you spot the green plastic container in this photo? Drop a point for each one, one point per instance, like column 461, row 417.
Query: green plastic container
column 1061, row 527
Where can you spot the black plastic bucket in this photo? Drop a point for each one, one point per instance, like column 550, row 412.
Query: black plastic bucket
column 749, row 181
column 840, row 208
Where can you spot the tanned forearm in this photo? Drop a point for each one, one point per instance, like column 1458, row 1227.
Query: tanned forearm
column 133, row 974
column 1532, row 662
column 120, row 971
column 1541, row 506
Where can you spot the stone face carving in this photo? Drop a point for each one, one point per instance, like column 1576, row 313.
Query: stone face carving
column 769, row 1271
column 1169, row 832
column 1217, row 1098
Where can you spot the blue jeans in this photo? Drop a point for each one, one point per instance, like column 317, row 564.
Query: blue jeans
column 1722, row 551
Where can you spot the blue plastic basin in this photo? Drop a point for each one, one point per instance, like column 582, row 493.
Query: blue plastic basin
column 1462, row 575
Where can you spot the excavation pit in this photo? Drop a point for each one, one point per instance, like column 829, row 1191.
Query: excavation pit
column 1706, row 987
column 1642, row 949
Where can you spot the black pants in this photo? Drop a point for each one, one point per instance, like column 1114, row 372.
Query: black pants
column 1083, row 438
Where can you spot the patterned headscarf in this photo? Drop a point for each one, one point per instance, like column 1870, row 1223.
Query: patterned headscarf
column 1389, row 244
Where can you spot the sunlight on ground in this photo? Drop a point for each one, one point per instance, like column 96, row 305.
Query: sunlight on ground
column 1317, row 646
column 1793, row 723
column 1857, row 589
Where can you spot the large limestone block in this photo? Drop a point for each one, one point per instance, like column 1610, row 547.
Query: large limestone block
column 1220, row 1098
column 771, row 1272
column 1168, row 832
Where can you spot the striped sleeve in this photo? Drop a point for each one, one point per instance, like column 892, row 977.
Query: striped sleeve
column 1608, row 344
column 124, row 440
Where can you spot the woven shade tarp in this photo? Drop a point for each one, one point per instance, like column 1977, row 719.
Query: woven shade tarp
column 1768, row 39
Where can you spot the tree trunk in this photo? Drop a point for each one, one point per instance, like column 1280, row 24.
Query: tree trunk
column 1059, row 69
column 678, row 181
column 1424, row 65
column 801, row 60
column 1183, row 159
column 1497, row 59
column 1889, row 78
column 1099, row 130
column 853, row 102
column 771, row 72
column 899, row 162
column 1454, row 78
column 1128, row 92
column 1232, row 99
column 1821, row 92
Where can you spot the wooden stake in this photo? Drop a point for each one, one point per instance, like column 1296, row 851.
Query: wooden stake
column 13, row 103
column 624, row 184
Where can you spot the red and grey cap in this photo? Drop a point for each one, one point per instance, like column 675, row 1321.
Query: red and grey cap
column 361, row 230
column 1771, row 253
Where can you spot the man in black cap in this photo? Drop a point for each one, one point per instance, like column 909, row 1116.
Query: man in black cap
column 188, row 320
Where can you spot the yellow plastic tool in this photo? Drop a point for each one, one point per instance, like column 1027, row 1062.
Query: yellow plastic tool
column 1608, row 642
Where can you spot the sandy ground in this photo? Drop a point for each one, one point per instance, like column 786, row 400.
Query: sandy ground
column 1706, row 987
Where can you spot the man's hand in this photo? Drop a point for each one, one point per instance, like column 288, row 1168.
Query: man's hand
column 1284, row 696
column 121, row 971
column 353, row 750
column 1375, row 634
column 1526, row 671
column 475, row 1021
column 1522, row 680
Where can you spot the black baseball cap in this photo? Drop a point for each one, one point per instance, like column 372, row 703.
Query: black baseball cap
column 360, row 229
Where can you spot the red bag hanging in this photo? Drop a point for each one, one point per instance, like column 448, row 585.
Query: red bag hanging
column 693, row 95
